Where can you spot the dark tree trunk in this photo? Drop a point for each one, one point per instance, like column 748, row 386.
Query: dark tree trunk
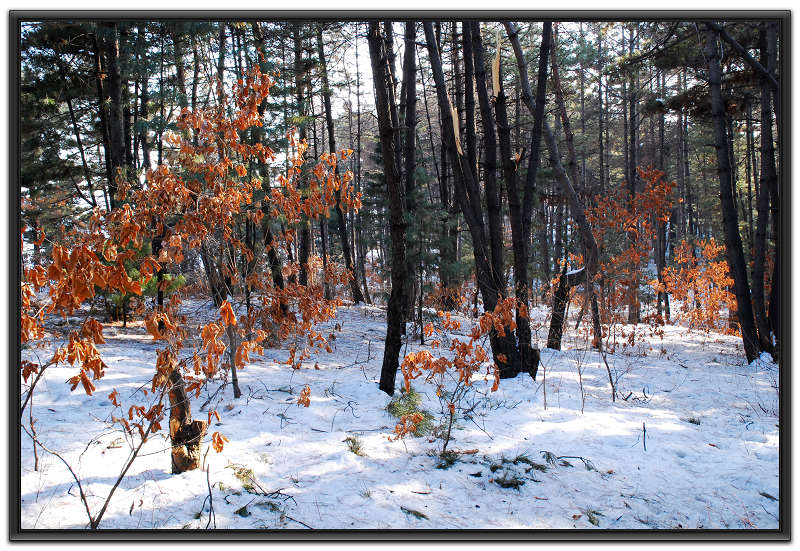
column 387, row 112
column 178, row 33
column 578, row 212
column 469, row 100
column 601, row 110
column 493, row 205
column 661, row 235
column 768, row 180
column 775, row 290
column 357, row 240
column 569, row 137
column 536, row 139
column 566, row 282
column 115, row 151
column 528, row 356
column 633, row 177
column 301, row 82
column 468, row 196
column 144, row 114
column 216, row 282
column 274, row 260
column 730, row 219
column 409, row 116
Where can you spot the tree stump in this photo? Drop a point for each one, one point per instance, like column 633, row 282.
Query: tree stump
column 185, row 434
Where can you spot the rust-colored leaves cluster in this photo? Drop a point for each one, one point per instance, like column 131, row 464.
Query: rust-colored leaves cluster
column 700, row 281
column 205, row 193
column 468, row 357
column 407, row 425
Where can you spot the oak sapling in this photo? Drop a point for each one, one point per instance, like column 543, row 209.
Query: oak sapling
column 453, row 376
column 205, row 189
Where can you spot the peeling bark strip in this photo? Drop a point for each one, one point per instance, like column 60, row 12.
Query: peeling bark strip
column 185, row 434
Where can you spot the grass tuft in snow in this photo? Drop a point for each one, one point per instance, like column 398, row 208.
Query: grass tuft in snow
column 447, row 459
column 591, row 516
column 242, row 512
column 355, row 445
column 245, row 475
column 507, row 481
column 549, row 457
column 414, row 513
column 522, row 458
column 693, row 420
column 408, row 404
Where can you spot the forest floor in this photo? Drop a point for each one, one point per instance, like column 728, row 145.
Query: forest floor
column 691, row 442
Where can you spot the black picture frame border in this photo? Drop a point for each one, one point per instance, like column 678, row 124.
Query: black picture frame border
column 17, row 534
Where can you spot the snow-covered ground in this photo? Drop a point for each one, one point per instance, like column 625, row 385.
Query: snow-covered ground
column 691, row 442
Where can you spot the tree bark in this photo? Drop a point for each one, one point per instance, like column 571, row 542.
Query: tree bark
column 116, row 130
column 387, row 112
column 301, row 82
column 519, row 241
column 730, row 219
column 467, row 194
column 409, row 116
column 591, row 258
column 186, row 435
column 768, row 179
column 774, row 197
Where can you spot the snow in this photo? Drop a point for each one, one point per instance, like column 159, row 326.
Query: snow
column 720, row 473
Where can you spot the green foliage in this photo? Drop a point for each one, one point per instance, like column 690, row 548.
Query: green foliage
column 407, row 403
column 150, row 288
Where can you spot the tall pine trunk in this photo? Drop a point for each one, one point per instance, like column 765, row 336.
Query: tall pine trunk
column 730, row 218
column 467, row 193
column 386, row 107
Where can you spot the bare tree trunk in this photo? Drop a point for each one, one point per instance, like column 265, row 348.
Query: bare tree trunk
column 468, row 196
column 301, row 82
column 633, row 177
column 566, row 282
column 730, row 219
column 357, row 237
column 661, row 236
column 493, row 205
column 536, row 139
column 115, row 144
column 386, row 107
column 578, row 212
column 409, row 116
column 768, row 180
column 519, row 241
column 775, row 290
